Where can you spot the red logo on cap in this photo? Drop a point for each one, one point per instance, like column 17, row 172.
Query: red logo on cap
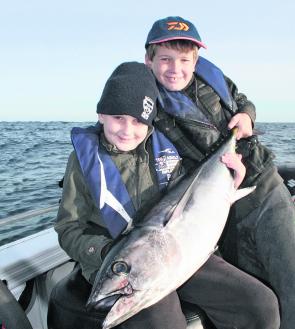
column 179, row 26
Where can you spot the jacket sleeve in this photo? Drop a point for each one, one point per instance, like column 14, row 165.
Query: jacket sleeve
column 244, row 105
column 78, row 224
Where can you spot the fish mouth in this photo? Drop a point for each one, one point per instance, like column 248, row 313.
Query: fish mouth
column 103, row 305
column 104, row 302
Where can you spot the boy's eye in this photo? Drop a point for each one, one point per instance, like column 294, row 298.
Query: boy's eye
column 136, row 121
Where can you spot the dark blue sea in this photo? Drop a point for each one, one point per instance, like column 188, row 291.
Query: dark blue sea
column 34, row 157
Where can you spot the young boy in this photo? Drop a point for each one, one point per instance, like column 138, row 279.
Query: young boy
column 114, row 165
column 198, row 107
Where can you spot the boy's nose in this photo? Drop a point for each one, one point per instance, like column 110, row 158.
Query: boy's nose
column 128, row 128
column 175, row 65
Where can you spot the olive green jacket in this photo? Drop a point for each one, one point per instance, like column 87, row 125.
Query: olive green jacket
column 81, row 231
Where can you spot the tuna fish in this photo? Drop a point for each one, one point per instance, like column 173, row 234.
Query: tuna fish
column 172, row 242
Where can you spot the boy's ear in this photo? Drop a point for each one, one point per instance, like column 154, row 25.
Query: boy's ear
column 100, row 118
column 148, row 62
column 196, row 59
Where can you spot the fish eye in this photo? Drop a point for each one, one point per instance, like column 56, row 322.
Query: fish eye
column 120, row 268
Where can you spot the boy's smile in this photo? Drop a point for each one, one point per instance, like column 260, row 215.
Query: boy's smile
column 172, row 68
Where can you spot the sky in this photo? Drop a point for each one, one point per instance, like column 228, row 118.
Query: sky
column 55, row 56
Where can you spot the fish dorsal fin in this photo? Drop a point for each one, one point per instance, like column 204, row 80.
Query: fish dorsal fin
column 172, row 204
column 239, row 194
column 177, row 210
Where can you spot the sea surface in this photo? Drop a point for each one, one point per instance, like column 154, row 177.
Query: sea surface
column 33, row 158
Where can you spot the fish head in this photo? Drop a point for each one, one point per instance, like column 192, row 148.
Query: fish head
column 127, row 282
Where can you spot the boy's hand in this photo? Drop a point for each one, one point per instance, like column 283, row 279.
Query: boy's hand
column 233, row 161
column 244, row 124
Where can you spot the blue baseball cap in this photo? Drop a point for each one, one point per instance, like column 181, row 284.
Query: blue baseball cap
column 173, row 28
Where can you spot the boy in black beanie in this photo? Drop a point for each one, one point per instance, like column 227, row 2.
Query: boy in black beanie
column 127, row 105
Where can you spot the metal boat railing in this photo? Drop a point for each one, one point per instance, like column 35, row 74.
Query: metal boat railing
column 27, row 214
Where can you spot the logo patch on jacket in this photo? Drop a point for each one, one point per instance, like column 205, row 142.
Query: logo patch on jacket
column 148, row 106
column 166, row 163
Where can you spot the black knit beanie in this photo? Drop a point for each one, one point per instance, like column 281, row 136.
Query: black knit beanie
column 130, row 90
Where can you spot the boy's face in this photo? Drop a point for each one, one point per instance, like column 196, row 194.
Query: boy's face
column 123, row 131
column 173, row 68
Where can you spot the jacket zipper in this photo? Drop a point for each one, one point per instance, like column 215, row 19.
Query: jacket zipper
column 200, row 123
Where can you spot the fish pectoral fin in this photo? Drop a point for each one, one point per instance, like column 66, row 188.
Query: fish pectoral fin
column 239, row 194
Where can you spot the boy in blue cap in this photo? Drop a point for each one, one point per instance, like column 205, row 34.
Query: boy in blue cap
column 199, row 105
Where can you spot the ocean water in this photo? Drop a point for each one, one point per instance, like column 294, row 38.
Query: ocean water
column 34, row 157
column 33, row 160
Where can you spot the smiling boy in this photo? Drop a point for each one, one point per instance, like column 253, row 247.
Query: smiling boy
column 199, row 105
